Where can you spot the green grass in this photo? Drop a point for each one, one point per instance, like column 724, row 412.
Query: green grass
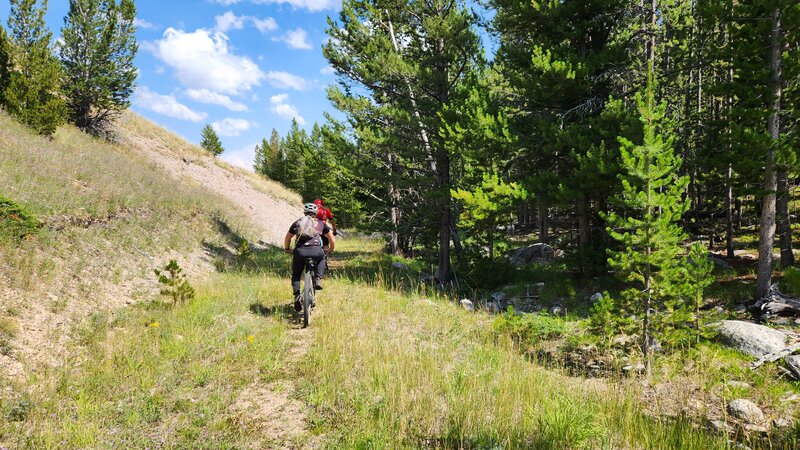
column 154, row 377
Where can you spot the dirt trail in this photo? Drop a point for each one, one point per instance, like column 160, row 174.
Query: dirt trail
column 274, row 408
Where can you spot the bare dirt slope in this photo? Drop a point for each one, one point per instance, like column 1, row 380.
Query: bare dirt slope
column 270, row 207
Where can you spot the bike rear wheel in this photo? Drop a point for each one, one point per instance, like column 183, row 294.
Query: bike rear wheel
column 308, row 297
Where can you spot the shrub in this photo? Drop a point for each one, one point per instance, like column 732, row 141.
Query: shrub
column 16, row 222
column 174, row 283
column 791, row 281
column 529, row 328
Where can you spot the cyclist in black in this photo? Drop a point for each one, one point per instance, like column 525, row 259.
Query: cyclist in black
column 309, row 231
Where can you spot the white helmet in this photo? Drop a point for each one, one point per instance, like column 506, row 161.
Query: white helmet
column 310, row 209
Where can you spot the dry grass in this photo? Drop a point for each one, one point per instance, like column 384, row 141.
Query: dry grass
column 110, row 216
column 132, row 124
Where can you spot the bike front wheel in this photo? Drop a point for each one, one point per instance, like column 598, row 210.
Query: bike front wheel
column 308, row 297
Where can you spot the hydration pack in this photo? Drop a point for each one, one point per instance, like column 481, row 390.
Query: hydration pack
column 307, row 228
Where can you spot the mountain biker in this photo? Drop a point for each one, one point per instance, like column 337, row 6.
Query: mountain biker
column 324, row 214
column 308, row 230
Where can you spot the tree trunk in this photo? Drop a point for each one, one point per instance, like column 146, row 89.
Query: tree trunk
column 584, row 232
column 543, row 213
column 784, row 224
column 767, row 223
column 729, row 212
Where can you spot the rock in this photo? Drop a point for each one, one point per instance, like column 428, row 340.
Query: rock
column 739, row 384
column 635, row 368
column 467, row 304
column 425, row 278
column 740, row 308
column 556, row 310
column 719, row 262
column 596, row 297
column 539, row 285
column 499, row 296
column 397, row 265
column 789, row 397
column 493, row 307
column 721, row 426
column 536, row 253
column 751, row 338
column 782, row 422
column 745, row 410
column 756, row 428
column 793, row 364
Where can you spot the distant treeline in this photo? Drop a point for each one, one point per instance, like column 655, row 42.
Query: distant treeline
column 85, row 78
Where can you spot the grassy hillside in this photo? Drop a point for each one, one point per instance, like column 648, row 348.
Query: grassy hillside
column 107, row 216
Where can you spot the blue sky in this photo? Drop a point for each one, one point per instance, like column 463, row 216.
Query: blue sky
column 244, row 66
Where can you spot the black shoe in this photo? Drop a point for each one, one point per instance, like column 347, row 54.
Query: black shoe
column 318, row 284
column 298, row 306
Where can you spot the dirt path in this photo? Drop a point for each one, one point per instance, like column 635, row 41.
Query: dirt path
column 274, row 408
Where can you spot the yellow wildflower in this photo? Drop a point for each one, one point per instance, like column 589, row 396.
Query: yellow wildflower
column 154, row 324
column 250, row 338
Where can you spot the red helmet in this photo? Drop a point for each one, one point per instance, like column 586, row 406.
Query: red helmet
column 319, row 202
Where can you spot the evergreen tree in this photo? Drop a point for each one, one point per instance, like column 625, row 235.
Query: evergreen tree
column 296, row 146
column 274, row 150
column 399, row 67
column 31, row 90
column 649, row 206
column 210, row 141
column 262, row 164
column 97, row 51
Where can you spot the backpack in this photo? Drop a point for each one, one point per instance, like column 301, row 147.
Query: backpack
column 307, row 228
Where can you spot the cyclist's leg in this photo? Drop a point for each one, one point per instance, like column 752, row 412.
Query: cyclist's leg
column 319, row 266
column 325, row 247
column 298, row 263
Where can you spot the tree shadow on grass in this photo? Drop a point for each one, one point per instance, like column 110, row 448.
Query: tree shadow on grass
column 284, row 313
column 236, row 254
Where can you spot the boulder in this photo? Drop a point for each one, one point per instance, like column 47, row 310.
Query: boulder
column 596, row 297
column 498, row 296
column 536, row 253
column 719, row 262
column 493, row 307
column 751, row 338
column 793, row 364
column 557, row 310
column 745, row 410
column 397, row 265
column 467, row 304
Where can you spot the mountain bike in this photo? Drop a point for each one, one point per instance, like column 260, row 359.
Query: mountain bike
column 308, row 290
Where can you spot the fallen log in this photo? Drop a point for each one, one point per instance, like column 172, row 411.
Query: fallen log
column 776, row 356
column 776, row 303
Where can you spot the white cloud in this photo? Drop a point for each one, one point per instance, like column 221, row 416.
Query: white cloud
column 166, row 105
column 297, row 39
column 327, row 70
column 311, row 5
column 229, row 21
column 143, row 24
column 243, row 157
column 226, row 2
column 232, row 127
column 202, row 60
column 285, row 110
column 264, row 25
column 215, row 98
column 286, row 80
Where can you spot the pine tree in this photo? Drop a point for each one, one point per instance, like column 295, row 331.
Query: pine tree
column 210, row 141
column 97, row 51
column 262, row 163
column 31, row 91
column 649, row 206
